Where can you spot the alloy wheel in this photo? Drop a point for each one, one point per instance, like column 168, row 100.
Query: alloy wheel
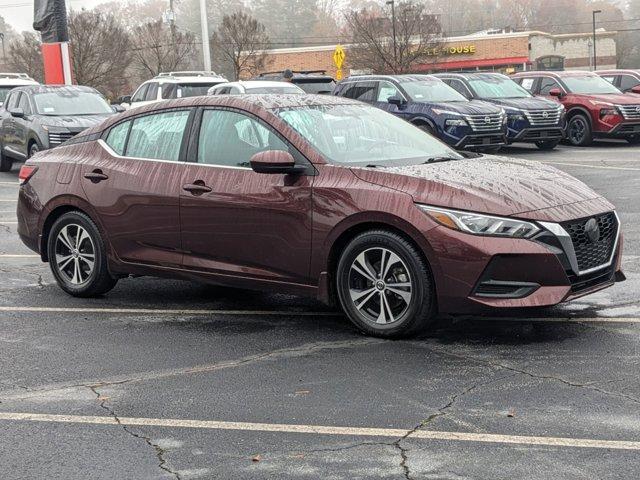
column 577, row 130
column 380, row 286
column 75, row 254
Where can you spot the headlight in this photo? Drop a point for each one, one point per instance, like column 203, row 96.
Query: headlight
column 455, row 122
column 609, row 111
column 480, row 224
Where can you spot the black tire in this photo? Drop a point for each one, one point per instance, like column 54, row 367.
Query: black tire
column 5, row 163
column 96, row 280
column 426, row 128
column 579, row 131
column 409, row 317
column 33, row 149
column 547, row 144
column 490, row 150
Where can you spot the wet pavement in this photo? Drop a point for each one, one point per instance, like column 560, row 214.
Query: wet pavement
column 170, row 379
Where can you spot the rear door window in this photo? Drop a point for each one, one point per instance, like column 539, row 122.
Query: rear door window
column 157, row 136
column 168, row 90
column 152, row 92
column 363, row 91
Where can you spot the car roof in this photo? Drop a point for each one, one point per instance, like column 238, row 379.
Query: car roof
column 618, row 71
column 297, row 75
column 16, row 79
column 464, row 75
column 37, row 88
column 556, row 73
column 398, row 78
column 188, row 76
column 256, row 84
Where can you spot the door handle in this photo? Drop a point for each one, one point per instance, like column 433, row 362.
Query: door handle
column 96, row 176
column 196, row 188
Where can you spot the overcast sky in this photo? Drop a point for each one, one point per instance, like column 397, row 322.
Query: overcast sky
column 19, row 13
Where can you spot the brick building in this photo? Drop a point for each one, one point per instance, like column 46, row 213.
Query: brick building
column 505, row 52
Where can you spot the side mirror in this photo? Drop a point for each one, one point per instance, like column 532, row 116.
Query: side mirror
column 635, row 89
column 124, row 99
column 396, row 100
column 17, row 112
column 556, row 92
column 118, row 108
column 275, row 161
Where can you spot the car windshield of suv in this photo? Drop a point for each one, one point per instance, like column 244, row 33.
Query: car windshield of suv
column 319, row 85
column 68, row 102
column 362, row 135
column 432, row 91
column 194, row 89
column 497, row 87
column 588, row 84
column 258, row 90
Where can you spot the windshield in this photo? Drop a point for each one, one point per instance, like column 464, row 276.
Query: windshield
column 497, row 87
column 68, row 102
column 315, row 85
column 589, row 84
column 360, row 135
column 290, row 89
column 432, row 91
column 194, row 89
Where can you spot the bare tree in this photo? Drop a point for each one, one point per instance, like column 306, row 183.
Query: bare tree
column 101, row 51
column 240, row 41
column 374, row 47
column 159, row 48
column 24, row 56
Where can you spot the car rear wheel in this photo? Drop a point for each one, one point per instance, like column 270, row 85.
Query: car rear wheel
column 385, row 286
column 547, row 144
column 579, row 131
column 5, row 163
column 77, row 256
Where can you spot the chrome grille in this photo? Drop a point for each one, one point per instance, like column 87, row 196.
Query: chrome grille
column 592, row 253
column 630, row 112
column 485, row 123
column 56, row 138
column 543, row 117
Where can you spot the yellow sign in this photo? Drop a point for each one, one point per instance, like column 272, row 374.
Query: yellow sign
column 338, row 56
column 339, row 74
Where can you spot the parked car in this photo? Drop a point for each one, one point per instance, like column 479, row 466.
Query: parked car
column 627, row 81
column 314, row 195
column 311, row 81
column 529, row 120
column 171, row 85
column 9, row 81
column 254, row 87
column 595, row 108
column 432, row 106
column 39, row 117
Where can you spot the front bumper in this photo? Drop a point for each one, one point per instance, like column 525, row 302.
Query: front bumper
column 621, row 130
column 536, row 134
column 477, row 274
column 483, row 140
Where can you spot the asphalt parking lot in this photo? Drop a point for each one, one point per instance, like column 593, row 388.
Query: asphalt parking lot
column 168, row 379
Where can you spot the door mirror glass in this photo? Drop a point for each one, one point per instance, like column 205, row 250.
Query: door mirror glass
column 275, row 161
column 17, row 112
column 636, row 89
column 555, row 92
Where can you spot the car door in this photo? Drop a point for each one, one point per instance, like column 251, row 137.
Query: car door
column 133, row 184
column 10, row 142
column 236, row 222
column 23, row 125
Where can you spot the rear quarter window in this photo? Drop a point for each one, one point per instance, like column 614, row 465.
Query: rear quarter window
column 117, row 137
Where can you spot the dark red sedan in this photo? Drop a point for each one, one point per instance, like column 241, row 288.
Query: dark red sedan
column 314, row 195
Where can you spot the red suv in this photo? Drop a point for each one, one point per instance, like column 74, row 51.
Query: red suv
column 595, row 108
column 314, row 195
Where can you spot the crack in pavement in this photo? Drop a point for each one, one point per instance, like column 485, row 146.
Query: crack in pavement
column 159, row 451
column 289, row 352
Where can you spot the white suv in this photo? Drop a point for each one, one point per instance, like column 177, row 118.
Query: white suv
column 173, row 85
column 13, row 80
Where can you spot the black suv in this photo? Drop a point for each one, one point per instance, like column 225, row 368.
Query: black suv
column 43, row 116
column 433, row 106
column 311, row 81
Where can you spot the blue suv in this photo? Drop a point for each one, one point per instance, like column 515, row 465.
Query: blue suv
column 433, row 106
column 529, row 119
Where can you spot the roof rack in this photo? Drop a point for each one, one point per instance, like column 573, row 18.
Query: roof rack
column 189, row 73
column 23, row 76
column 303, row 72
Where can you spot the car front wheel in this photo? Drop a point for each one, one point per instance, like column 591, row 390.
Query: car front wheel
column 5, row 163
column 385, row 286
column 77, row 256
column 579, row 131
column 547, row 144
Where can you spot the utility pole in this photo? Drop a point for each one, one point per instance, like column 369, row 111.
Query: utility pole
column 206, row 53
column 595, row 55
column 393, row 29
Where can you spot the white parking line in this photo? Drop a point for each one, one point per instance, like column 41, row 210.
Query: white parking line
column 16, row 255
column 604, row 167
column 13, row 184
column 324, row 430
column 160, row 311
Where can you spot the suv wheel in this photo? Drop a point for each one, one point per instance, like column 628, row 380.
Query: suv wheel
column 425, row 128
column 77, row 256
column 33, row 149
column 547, row 144
column 579, row 131
column 5, row 163
column 384, row 285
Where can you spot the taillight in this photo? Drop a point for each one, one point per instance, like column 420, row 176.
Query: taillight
column 26, row 172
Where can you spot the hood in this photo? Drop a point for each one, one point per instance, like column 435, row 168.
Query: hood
column 73, row 122
column 489, row 184
column 465, row 108
column 615, row 98
column 529, row 103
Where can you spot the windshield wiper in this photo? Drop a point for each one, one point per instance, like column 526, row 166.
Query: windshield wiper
column 439, row 159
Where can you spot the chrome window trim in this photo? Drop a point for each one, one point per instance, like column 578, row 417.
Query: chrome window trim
column 567, row 245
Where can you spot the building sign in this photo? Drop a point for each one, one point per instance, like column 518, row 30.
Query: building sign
column 452, row 50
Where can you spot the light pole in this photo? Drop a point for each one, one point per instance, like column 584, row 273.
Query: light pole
column 206, row 54
column 393, row 29
column 595, row 55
